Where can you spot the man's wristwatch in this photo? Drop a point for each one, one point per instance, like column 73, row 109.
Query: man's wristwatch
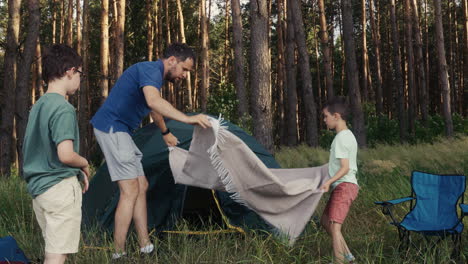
column 166, row 132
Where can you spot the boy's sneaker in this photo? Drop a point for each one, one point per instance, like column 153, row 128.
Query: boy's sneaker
column 350, row 258
column 148, row 249
column 116, row 255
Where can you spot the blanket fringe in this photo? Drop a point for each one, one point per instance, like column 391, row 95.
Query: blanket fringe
column 221, row 132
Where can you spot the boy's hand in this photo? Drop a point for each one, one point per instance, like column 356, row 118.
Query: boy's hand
column 85, row 171
column 325, row 187
column 170, row 140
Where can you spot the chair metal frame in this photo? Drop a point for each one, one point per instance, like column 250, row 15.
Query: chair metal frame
column 404, row 234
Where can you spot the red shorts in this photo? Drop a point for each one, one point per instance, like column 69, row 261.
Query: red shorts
column 340, row 201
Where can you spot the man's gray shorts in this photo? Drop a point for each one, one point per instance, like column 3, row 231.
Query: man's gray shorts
column 122, row 155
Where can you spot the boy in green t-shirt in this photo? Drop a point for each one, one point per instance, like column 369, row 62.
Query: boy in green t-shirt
column 52, row 164
column 342, row 168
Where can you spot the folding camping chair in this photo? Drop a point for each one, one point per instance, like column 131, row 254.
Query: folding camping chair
column 434, row 212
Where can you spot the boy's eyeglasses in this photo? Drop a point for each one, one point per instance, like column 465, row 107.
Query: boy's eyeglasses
column 82, row 75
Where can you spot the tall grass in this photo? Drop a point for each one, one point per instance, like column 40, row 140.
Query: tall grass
column 383, row 174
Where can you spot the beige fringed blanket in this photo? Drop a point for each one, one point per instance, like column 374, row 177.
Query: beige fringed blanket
column 217, row 159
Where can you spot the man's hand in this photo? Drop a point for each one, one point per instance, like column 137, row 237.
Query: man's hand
column 85, row 171
column 170, row 140
column 325, row 187
column 201, row 120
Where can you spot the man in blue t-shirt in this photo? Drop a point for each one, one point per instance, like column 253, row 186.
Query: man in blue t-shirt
column 135, row 95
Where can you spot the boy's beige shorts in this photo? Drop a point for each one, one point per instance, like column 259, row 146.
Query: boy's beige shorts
column 58, row 212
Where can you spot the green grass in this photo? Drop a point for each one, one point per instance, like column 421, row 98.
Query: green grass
column 383, row 174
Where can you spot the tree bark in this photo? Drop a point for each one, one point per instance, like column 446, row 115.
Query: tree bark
column 83, row 114
column 69, row 25
column 398, row 74
column 23, row 76
column 54, row 20
column 291, row 85
column 366, row 78
column 227, row 49
column 419, row 62
column 351, row 69
column 281, row 75
column 78, row 27
column 327, row 59
column 62, row 21
column 150, row 29
column 442, row 71
column 377, row 60
column 310, row 107
column 260, row 70
column 7, row 98
column 239, row 79
column 39, row 80
column 119, row 39
column 104, row 80
column 205, row 78
column 410, row 72
column 188, row 80
column 465, row 52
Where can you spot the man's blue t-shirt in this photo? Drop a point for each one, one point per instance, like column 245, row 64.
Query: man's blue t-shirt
column 126, row 105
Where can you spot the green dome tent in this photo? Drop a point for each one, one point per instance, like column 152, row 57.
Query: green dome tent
column 167, row 201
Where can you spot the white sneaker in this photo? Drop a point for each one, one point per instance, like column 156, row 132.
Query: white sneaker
column 147, row 249
column 117, row 255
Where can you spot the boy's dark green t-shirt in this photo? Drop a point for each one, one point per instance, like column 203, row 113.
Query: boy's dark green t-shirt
column 51, row 120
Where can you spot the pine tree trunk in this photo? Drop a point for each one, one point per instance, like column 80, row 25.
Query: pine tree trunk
column 62, row 21
column 410, row 72
column 419, row 62
column 150, row 29
column 260, row 70
column 398, row 73
column 291, row 86
column 351, row 76
column 156, row 21
column 39, row 80
column 78, row 27
column 327, row 59
column 304, row 66
column 23, row 76
column 54, row 20
column 119, row 39
column 7, row 98
column 442, row 72
column 365, row 57
column 188, row 80
column 205, row 78
column 83, row 114
column 281, row 74
column 239, row 76
column 69, row 25
column 465, row 52
column 104, row 82
column 377, row 60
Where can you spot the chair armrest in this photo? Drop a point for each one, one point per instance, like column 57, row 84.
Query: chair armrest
column 464, row 208
column 395, row 201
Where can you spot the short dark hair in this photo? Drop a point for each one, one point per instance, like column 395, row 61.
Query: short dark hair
column 338, row 104
column 179, row 50
column 58, row 59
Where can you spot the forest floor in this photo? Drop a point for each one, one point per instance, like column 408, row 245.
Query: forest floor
column 384, row 173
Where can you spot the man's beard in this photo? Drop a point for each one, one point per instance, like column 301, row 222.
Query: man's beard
column 170, row 78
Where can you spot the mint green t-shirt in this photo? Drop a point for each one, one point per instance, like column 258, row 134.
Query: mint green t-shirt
column 344, row 146
column 51, row 120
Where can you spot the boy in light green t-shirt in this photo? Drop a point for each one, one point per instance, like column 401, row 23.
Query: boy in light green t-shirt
column 342, row 168
column 51, row 160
